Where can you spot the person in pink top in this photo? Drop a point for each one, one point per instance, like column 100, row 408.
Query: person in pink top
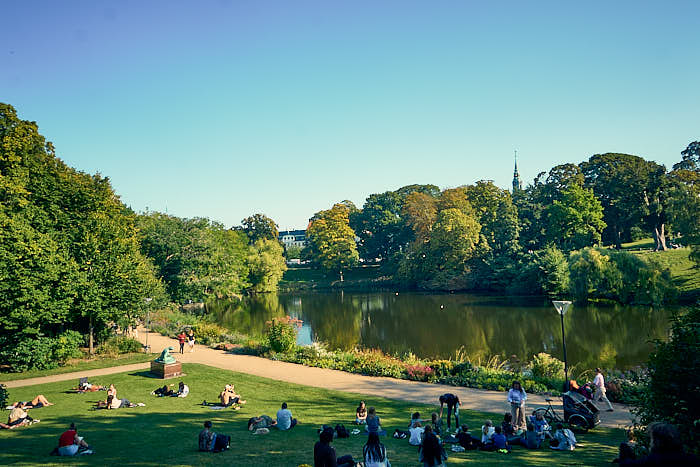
column 599, row 394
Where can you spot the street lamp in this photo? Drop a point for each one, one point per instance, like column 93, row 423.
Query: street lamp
column 148, row 321
column 562, row 307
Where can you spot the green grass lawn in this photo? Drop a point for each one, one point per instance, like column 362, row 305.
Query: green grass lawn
column 306, row 277
column 80, row 365
column 165, row 431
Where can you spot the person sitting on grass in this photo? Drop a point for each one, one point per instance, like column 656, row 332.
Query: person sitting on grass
column 487, row 431
column 500, row 441
column 431, row 452
column 465, row 439
column 285, row 421
column 183, row 390
column 36, row 403
column 541, row 426
column 415, row 418
column 324, row 453
column 114, row 403
column 507, row 425
column 18, row 417
column 263, row 421
column 416, row 434
column 530, row 438
column 374, row 452
column 563, row 440
column 209, row 441
column 228, row 397
column 70, row 444
column 373, row 422
column 436, row 423
column 361, row 414
column 665, row 448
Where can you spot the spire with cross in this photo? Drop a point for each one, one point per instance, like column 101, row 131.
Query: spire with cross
column 517, row 183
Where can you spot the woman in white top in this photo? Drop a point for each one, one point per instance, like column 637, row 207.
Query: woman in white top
column 487, row 431
column 517, row 398
column 416, row 434
column 374, row 452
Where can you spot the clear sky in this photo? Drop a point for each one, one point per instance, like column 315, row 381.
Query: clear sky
column 227, row 108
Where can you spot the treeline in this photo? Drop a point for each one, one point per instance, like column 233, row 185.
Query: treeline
column 75, row 262
column 546, row 238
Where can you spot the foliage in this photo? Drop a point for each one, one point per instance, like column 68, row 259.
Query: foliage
column 673, row 391
column 41, row 352
column 544, row 366
column 576, row 220
column 332, row 241
column 260, row 227
column 282, row 333
column 4, row 395
column 553, row 269
column 119, row 345
column 196, row 258
column 266, row 265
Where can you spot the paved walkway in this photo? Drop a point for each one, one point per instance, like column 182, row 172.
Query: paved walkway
column 412, row 391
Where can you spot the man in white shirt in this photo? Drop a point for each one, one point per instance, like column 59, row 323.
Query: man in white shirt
column 599, row 394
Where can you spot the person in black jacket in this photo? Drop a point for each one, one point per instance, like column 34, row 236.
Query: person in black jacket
column 324, row 453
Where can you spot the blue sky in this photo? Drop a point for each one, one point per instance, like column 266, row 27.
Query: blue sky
column 227, row 108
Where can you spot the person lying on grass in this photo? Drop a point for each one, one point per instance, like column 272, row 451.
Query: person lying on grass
column 114, row 403
column 70, row 444
column 182, row 391
column 263, row 421
column 36, row 403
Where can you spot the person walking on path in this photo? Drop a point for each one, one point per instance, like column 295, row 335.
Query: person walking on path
column 190, row 339
column 182, row 338
column 517, row 398
column 452, row 402
column 599, row 394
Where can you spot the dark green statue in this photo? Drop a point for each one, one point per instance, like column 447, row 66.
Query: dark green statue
column 165, row 356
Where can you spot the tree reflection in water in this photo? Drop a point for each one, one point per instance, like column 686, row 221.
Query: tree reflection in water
column 436, row 325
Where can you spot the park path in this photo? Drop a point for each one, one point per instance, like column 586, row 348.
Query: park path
column 411, row 391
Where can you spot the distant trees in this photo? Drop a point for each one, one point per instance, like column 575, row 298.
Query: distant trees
column 331, row 240
column 260, row 227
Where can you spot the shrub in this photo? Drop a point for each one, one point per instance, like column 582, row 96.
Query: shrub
column 553, row 271
column 546, row 367
column 67, row 346
column 29, row 354
column 208, row 333
column 673, row 391
column 282, row 334
column 418, row 372
column 119, row 345
column 4, row 395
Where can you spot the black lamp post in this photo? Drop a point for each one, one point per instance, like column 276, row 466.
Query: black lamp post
column 562, row 307
column 148, row 322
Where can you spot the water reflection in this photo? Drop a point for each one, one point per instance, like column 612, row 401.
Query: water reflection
column 434, row 325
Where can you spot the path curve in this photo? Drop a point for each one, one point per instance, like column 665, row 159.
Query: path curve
column 411, row 391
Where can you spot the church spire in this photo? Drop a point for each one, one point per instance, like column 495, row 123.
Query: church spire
column 517, row 184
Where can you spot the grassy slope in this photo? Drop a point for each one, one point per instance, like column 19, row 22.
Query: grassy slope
column 683, row 271
column 165, row 431
column 80, row 365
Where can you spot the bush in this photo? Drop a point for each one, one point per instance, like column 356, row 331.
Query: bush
column 4, row 395
column 553, row 269
column 119, row 345
column 209, row 333
column 673, row 390
column 67, row 346
column 27, row 354
column 546, row 367
column 282, row 334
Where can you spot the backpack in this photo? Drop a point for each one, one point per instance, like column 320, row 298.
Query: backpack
column 342, row 431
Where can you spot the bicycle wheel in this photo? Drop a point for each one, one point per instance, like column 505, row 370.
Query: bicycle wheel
column 578, row 423
column 548, row 415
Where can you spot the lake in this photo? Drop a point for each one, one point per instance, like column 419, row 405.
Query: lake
column 437, row 325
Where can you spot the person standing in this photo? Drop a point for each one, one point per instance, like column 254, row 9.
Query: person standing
column 190, row 339
column 599, row 394
column 517, row 398
column 452, row 403
column 182, row 338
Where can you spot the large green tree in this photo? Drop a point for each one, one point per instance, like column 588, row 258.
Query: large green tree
column 266, row 264
column 331, row 240
column 576, row 220
column 260, row 227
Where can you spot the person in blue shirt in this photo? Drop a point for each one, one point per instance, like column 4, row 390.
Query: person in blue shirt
column 285, row 421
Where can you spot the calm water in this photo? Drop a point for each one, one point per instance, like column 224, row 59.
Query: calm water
column 436, row 325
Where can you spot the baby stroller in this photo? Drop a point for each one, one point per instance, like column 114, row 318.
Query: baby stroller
column 579, row 412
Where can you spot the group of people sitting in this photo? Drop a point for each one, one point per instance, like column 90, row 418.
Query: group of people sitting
column 183, row 390
column 227, row 398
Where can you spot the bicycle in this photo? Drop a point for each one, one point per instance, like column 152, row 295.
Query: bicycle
column 576, row 422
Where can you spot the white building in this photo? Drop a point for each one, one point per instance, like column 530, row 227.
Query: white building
column 293, row 238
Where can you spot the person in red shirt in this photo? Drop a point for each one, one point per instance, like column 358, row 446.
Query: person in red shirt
column 70, row 444
column 182, row 338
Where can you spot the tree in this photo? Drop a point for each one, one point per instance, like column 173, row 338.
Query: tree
column 331, row 240
column 259, row 226
column 575, row 221
column 420, row 212
column 266, row 264
column 690, row 158
column 630, row 190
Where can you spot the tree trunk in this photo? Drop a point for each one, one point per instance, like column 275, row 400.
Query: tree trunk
column 92, row 339
column 660, row 237
column 618, row 239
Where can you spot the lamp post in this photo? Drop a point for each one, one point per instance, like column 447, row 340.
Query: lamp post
column 148, row 321
column 562, row 307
